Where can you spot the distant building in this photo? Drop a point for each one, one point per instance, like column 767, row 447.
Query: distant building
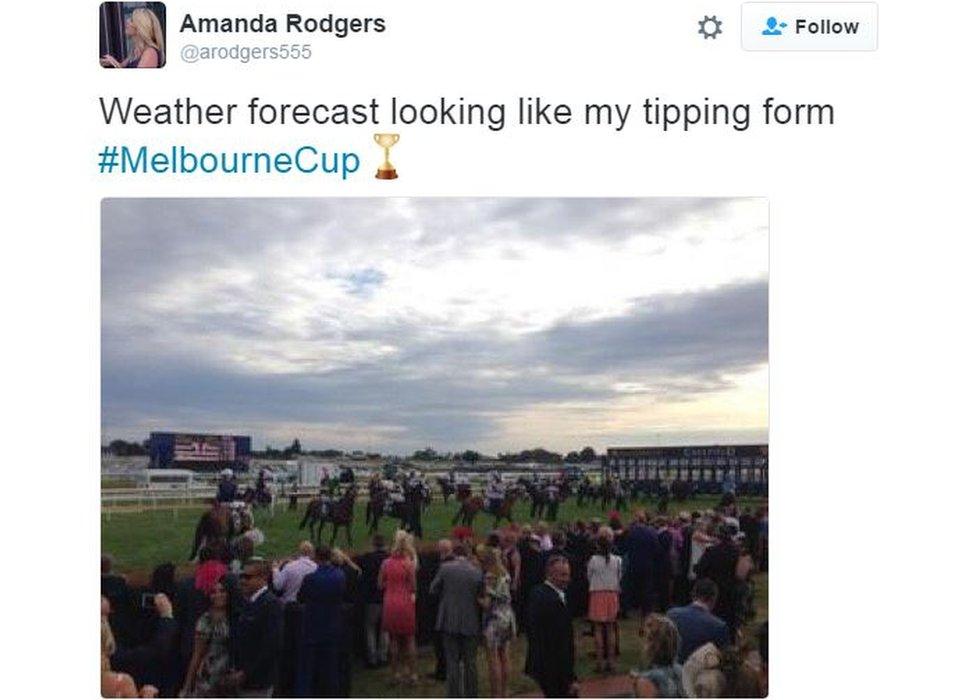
column 708, row 467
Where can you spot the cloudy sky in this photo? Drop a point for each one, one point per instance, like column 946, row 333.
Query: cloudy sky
column 393, row 324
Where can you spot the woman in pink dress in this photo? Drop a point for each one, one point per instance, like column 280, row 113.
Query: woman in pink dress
column 398, row 581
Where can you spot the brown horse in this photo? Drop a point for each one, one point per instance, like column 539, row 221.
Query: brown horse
column 218, row 524
column 447, row 488
column 408, row 511
column 473, row 505
column 340, row 513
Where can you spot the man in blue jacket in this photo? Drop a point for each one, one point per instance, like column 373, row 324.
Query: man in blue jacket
column 226, row 488
column 318, row 656
column 696, row 624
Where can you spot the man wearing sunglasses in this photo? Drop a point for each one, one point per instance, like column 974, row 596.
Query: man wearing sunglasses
column 259, row 633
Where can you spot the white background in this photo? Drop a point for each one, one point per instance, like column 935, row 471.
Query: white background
column 871, row 281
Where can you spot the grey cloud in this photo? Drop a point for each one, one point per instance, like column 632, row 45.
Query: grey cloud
column 442, row 386
column 719, row 330
column 681, row 346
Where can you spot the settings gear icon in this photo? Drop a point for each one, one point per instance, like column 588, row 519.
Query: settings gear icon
column 709, row 27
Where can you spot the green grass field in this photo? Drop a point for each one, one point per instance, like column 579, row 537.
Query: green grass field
column 138, row 541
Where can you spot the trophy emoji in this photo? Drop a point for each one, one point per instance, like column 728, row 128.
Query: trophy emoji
column 386, row 171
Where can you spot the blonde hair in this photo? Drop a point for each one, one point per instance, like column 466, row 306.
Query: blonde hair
column 108, row 644
column 701, row 675
column 709, row 684
column 403, row 544
column 493, row 563
column 339, row 558
column 148, row 33
column 661, row 640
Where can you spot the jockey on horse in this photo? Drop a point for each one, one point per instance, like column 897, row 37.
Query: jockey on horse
column 329, row 482
column 262, row 495
column 374, row 495
column 494, row 492
column 553, row 491
column 413, row 481
column 231, row 500
column 584, row 491
column 448, row 485
column 463, row 487
column 227, row 488
column 338, row 511
column 228, row 516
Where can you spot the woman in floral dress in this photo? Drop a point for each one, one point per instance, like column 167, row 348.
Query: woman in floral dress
column 498, row 620
column 210, row 663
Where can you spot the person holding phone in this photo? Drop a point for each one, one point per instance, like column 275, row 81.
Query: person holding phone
column 150, row 663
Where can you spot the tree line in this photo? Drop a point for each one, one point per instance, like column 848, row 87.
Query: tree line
column 540, row 455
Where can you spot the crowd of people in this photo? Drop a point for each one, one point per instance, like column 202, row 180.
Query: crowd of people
column 242, row 626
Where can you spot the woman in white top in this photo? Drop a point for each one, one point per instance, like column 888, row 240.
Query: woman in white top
column 701, row 539
column 604, row 571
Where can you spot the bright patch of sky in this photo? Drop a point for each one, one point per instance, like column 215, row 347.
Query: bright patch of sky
column 392, row 324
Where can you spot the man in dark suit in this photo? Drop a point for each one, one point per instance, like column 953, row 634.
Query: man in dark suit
column 445, row 553
column 663, row 570
column 377, row 640
column 696, row 624
column 321, row 595
column 532, row 572
column 718, row 563
column 682, row 584
column 551, row 654
column 458, row 584
column 644, row 556
column 257, row 647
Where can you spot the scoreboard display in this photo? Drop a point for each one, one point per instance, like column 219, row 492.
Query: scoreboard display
column 199, row 451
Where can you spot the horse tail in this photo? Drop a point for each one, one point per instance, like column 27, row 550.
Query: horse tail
column 198, row 536
column 308, row 514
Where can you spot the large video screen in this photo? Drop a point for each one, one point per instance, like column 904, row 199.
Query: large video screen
column 204, row 448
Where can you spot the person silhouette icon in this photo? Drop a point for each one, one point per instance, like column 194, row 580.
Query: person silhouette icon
column 773, row 28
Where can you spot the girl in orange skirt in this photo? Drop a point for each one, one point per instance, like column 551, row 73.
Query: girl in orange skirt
column 604, row 571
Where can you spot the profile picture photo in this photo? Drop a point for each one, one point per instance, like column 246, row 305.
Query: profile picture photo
column 132, row 35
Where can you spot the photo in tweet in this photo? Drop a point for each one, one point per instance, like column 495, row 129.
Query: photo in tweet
column 393, row 396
